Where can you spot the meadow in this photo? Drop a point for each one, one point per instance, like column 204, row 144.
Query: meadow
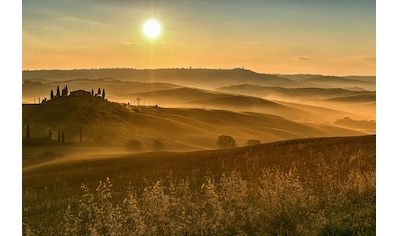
column 311, row 172
column 315, row 186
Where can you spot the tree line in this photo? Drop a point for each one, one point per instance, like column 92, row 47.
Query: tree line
column 65, row 93
column 99, row 93
column 60, row 135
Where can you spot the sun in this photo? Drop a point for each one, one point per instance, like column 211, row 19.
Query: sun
column 152, row 28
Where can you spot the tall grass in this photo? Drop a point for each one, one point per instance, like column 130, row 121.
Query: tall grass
column 324, row 196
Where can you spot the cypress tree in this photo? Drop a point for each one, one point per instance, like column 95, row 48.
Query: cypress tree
column 51, row 94
column 58, row 92
column 27, row 132
column 66, row 90
column 99, row 91
column 103, row 93
column 92, row 92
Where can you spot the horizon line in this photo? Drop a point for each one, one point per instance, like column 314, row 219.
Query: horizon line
column 188, row 68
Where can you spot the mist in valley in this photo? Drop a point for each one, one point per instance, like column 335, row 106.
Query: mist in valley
column 207, row 152
column 185, row 110
column 179, row 151
column 197, row 118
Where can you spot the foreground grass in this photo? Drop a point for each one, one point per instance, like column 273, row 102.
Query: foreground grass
column 300, row 187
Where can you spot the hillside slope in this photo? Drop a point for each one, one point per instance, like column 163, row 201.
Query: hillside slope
column 201, row 78
column 178, row 128
column 202, row 159
column 327, row 185
column 184, row 97
column 356, row 104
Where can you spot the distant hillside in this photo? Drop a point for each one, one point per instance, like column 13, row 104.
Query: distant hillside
column 339, row 82
column 361, row 97
column 346, row 82
column 298, row 77
column 363, row 78
column 116, row 124
column 202, row 78
column 308, row 93
column 197, row 98
column 359, row 103
column 121, row 82
column 183, row 96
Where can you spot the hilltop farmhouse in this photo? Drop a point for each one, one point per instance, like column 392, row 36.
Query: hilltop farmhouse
column 76, row 93
column 80, row 93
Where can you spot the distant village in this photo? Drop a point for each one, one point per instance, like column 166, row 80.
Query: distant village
column 77, row 93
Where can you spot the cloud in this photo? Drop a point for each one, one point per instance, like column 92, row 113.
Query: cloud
column 78, row 20
column 304, row 59
column 369, row 58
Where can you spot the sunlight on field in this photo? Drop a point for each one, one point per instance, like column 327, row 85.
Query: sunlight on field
column 301, row 187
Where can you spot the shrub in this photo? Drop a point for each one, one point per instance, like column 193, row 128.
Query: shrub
column 134, row 145
column 226, row 141
column 253, row 142
column 157, row 145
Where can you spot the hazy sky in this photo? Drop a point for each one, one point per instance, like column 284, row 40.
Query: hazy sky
column 335, row 37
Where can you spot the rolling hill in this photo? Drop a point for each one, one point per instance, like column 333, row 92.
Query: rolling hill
column 338, row 82
column 186, row 128
column 298, row 94
column 311, row 172
column 294, row 181
column 348, row 82
column 361, row 104
column 184, row 97
column 201, row 78
column 236, row 89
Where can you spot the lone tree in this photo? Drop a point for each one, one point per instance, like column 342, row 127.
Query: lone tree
column 225, row 141
column 253, row 142
column 157, row 145
column 134, row 145
column 103, row 93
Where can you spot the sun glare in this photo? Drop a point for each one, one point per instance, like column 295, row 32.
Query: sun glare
column 152, row 28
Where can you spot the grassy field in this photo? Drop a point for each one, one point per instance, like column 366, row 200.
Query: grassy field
column 321, row 186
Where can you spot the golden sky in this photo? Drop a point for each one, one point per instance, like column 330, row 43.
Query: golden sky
column 270, row 36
